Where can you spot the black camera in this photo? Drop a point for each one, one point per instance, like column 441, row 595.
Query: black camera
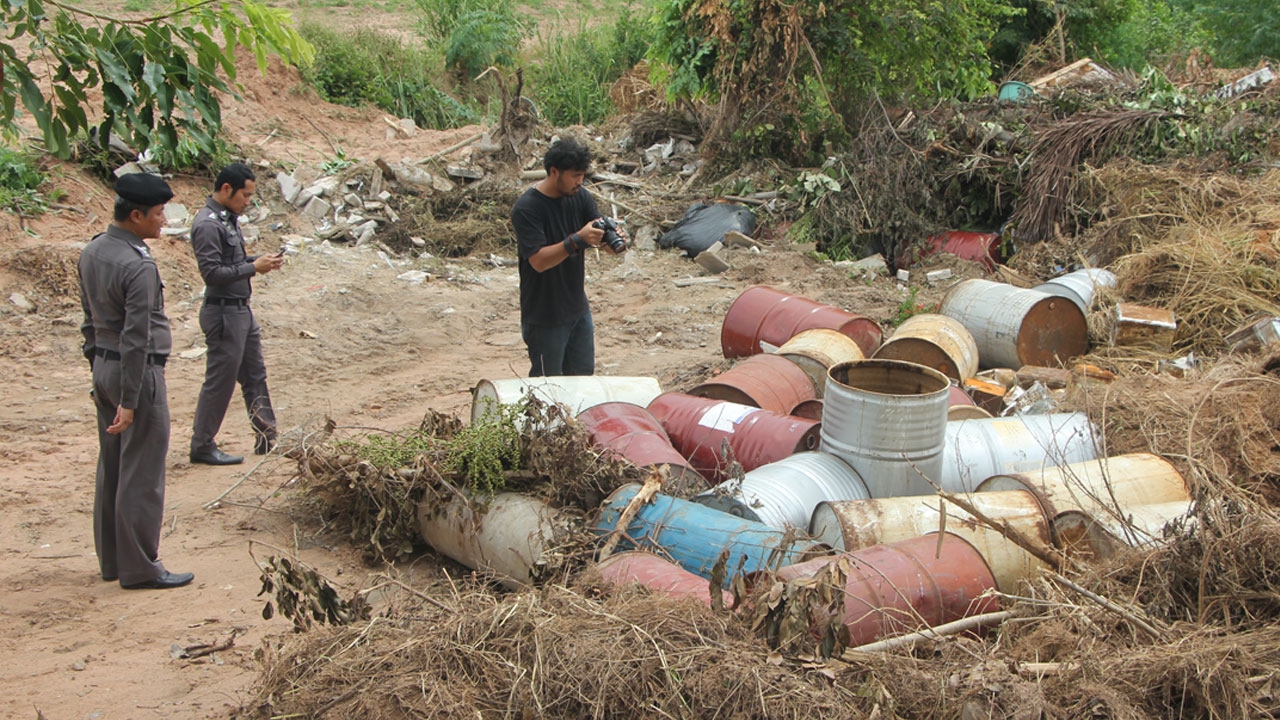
column 611, row 237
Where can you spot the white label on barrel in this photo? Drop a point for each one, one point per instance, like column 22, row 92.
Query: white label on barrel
column 724, row 416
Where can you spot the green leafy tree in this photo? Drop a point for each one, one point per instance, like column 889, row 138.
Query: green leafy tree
column 1241, row 31
column 1073, row 27
column 1155, row 33
column 159, row 76
column 475, row 33
column 798, row 57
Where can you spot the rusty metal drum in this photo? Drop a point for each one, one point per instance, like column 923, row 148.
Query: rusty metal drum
column 765, row 381
column 702, row 429
column 856, row 524
column 1079, row 534
column 905, row 586
column 809, row 409
column 1080, row 286
column 763, row 314
column 507, row 536
column 634, row 433
column 659, row 575
column 1112, row 491
column 577, row 393
column 887, row 419
column 783, row 494
column 1015, row 326
column 815, row 351
column 935, row 341
column 694, row 535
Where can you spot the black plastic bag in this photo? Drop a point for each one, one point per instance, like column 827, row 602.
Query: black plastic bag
column 703, row 225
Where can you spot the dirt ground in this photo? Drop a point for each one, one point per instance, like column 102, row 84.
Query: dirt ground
column 344, row 339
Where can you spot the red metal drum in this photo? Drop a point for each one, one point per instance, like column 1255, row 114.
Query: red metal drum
column 770, row 382
column 659, row 575
column 762, row 314
column 809, row 409
column 632, row 432
column 891, row 589
column 959, row 397
column 700, row 427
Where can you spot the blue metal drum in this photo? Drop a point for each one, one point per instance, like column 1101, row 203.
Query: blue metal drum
column 694, row 535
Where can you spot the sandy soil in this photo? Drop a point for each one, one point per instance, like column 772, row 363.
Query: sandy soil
column 344, row 339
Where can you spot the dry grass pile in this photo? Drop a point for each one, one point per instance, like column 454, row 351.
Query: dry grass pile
column 633, row 92
column 556, row 653
column 1219, row 422
column 52, row 269
column 1139, row 203
column 1212, row 276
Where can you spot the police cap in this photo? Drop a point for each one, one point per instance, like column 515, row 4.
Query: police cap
column 144, row 189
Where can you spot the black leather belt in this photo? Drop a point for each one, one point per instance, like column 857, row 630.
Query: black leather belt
column 152, row 358
column 239, row 302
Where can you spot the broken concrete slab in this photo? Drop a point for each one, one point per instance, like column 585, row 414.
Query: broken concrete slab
column 872, row 263
column 325, row 186
column 176, row 214
column 365, row 232
column 352, row 200
column 289, row 187
column 710, row 259
column 304, row 196
column 936, row 276
column 318, row 208
column 646, row 238
column 463, row 172
column 733, row 238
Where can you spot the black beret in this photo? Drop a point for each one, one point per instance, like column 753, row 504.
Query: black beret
column 144, row 189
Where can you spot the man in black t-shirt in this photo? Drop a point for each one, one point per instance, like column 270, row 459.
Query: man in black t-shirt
column 553, row 224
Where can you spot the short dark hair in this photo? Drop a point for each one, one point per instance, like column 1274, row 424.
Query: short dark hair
column 124, row 207
column 235, row 175
column 567, row 154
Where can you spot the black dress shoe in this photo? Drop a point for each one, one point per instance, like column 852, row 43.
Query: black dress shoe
column 164, row 582
column 216, row 457
column 264, row 444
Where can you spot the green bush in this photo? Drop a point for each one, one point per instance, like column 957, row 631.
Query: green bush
column 20, row 177
column 1241, row 31
column 474, row 33
column 570, row 75
column 1153, row 34
column 480, row 39
column 367, row 67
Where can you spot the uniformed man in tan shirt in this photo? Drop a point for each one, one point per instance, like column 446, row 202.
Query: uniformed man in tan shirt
column 127, row 343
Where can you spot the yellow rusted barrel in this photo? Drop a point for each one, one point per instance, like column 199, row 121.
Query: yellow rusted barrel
column 1107, row 491
column 1080, row 534
column 935, row 341
column 815, row 351
column 855, row 524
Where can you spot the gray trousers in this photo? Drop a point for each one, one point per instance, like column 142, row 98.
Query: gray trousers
column 235, row 355
column 128, row 502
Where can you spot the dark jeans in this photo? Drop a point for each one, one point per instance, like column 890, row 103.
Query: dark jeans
column 568, row 349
